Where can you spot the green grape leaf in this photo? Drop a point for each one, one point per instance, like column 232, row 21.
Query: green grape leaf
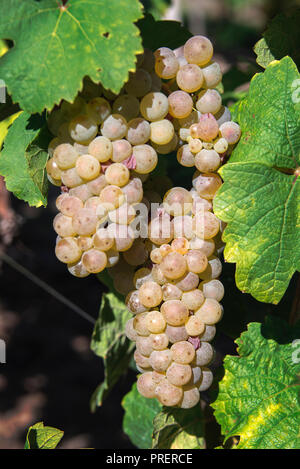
column 138, row 418
column 156, row 34
column 110, row 343
column 24, row 157
column 41, row 437
column 258, row 398
column 260, row 197
column 56, row 46
column 281, row 38
column 179, row 429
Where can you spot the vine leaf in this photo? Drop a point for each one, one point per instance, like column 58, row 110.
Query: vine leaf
column 260, row 197
column 138, row 418
column 179, row 429
column 24, row 157
column 41, row 437
column 110, row 343
column 56, row 46
column 259, row 398
column 167, row 33
column 281, row 38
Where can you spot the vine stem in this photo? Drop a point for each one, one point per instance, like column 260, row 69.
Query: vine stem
column 294, row 313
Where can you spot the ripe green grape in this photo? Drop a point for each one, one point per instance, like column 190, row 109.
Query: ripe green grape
column 141, row 276
column 133, row 191
column 190, row 398
column 150, row 294
column 83, row 128
column 154, row 106
column 146, row 385
column 155, row 322
column 206, row 379
column 143, row 346
column 166, row 63
column 127, row 105
column 198, row 50
column 117, row 174
column 63, row 226
column 231, row 131
column 194, row 326
column 187, row 282
column 193, row 299
column 173, row 265
column 94, row 261
column 179, row 374
column 206, row 184
column 87, row 167
column 67, row 250
column 138, row 131
column 176, row 333
column 182, row 352
column 175, row 312
column 185, row 157
column 189, row 78
column 145, row 157
column 159, row 341
column 121, row 150
column 101, row 148
column 171, row 292
column 212, row 289
column 133, row 303
column 196, row 261
column 65, row 156
column 207, row 161
column 213, row 269
column 160, row 359
column 204, row 354
column 209, row 101
column 177, row 201
column 114, row 127
column 168, row 394
column 212, row 75
column 85, row 222
column 98, row 109
column 210, row 312
column 130, row 332
column 161, row 132
column 207, row 128
column 180, row 104
column 78, row 270
column 112, row 197
column 220, row 146
column 208, row 334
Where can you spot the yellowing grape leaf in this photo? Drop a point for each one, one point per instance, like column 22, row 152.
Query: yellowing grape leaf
column 23, row 159
column 179, row 429
column 259, row 395
column 138, row 418
column 55, row 46
column 110, row 343
column 281, row 38
column 41, row 437
column 260, row 197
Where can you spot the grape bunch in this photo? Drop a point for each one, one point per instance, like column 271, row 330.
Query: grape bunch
column 164, row 262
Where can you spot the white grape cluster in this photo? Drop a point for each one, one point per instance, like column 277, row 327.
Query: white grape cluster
column 176, row 300
column 104, row 149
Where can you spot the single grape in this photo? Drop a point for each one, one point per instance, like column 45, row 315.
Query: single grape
column 209, row 101
column 212, row 75
column 207, row 246
column 180, row 245
column 127, row 105
column 139, row 83
column 117, row 174
column 198, row 50
column 161, row 132
column 208, row 334
column 180, row 104
column 53, row 170
column 191, row 397
column 175, row 312
column 143, row 346
column 154, row 106
column 176, row 333
column 204, row 354
column 189, row 78
column 85, row 242
column 182, row 352
column 195, row 145
column 160, row 359
column 94, row 261
column 196, row 261
column 83, row 192
column 133, row 191
column 206, row 225
column 207, row 161
column 98, row 109
column 168, row 394
column 155, row 322
column 213, row 270
column 70, row 178
column 187, row 282
column 114, row 127
column 210, row 312
column 67, row 250
column 78, row 270
column 193, row 299
column 140, row 324
column 112, row 197
column 212, row 289
column 102, row 240
column 145, row 157
column 70, row 205
column 194, row 326
column 173, row 265
column 146, row 385
column 150, row 294
column 141, row 276
column 171, row 292
column 63, row 226
column 85, row 222
column 206, row 379
column 166, row 63
column 206, row 184
column 157, row 275
column 87, row 167
column 177, row 201
column 83, row 128
column 207, row 128
column 130, row 332
column 112, row 258
column 123, row 236
column 179, row 374
column 101, row 148
column 185, row 157
column 133, row 303
column 231, row 131
column 140, row 360
column 159, row 341
column 220, row 146
column 65, row 156
column 161, row 230
column 138, row 131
